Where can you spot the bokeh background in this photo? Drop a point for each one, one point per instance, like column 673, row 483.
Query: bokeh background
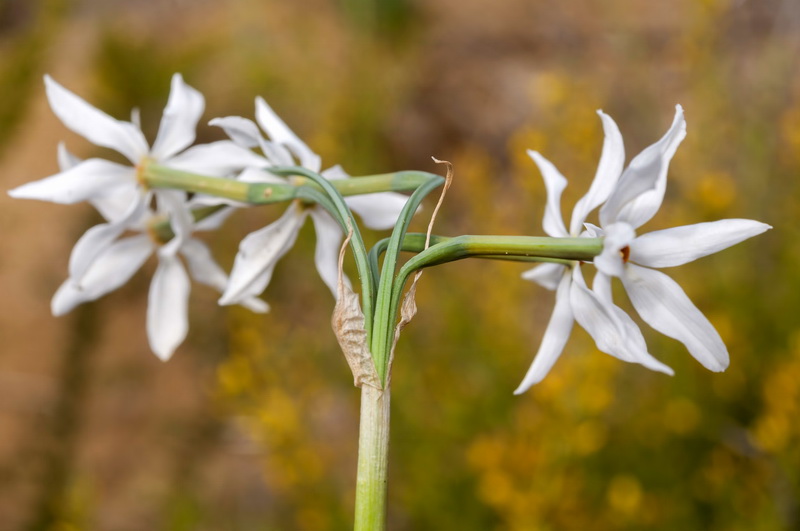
column 253, row 424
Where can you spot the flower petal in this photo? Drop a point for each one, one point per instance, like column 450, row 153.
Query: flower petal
column 547, row 275
column 110, row 270
column 680, row 245
column 641, row 188
column 66, row 160
column 241, row 130
column 97, row 239
column 637, row 349
column 258, row 254
column 90, row 179
column 95, row 125
column 205, row 270
column 555, row 337
column 379, row 210
column 555, row 183
column 663, row 305
column 326, row 254
column 217, row 159
column 613, row 331
column 178, row 125
column 167, row 307
column 279, row 132
column 609, row 170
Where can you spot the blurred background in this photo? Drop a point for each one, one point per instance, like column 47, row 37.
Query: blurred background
column 253, row 424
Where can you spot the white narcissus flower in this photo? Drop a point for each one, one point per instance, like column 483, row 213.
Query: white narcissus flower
column 260, row 251
column 658, row 299
column 611, row 328
column 102, row 180
column 102, row 260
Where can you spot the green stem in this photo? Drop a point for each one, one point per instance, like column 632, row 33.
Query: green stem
column 373, row 460
column 158, row 176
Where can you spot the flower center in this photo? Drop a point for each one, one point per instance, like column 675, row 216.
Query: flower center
column 625, row 253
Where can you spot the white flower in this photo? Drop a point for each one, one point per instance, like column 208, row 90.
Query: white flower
column 611, row 328
column 260, row 251
column 102, row 181
column 658, row 299
column 103, row 260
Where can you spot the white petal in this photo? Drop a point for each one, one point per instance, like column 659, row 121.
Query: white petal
column 89, row 179
column 617, row 237
column 110, row 270
column 555, row 183
column 680, row 245
column 213, row 221
column 547, row 275
column 258, row 254
column 173, row 204
column 257, row 175
column 326, row 254
column 241, row 130
column 218, row 159
column 95, row 240
column 378, row 210
column 663, row 305
column 178, row 125
column 555, row 337
column 279, row 132
column 95, row 125
column 613, row 331
column 115, row 205
column 608, row 172
column 167, row 307
column 205, row 270
column 636, row 350
column 66, row 160
column 641, row 188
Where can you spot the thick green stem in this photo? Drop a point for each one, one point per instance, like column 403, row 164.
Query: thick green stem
column 373, row 460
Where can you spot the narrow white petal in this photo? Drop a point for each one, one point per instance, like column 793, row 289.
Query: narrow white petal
column 379, row 210
column 95, row 125
column 609, row 170
column 95, row 240
column 617, row 237
column 680, row 245
column 326, row 254
column 167, row 307
column 217, row 159
column 258, row 254
column 215, row 220
column 90, row 179
column 114, row 206
column 279, row 132
column 110, row 270
column 636, row 350
column 555, row 183
column 241, row 130
column 178, row 125
column 204, row 269
column 641, row 188
column 173, row 204
column 66, row 160
column 613, row 331
column 555, row 337
column 663, row 305
column 547, row 275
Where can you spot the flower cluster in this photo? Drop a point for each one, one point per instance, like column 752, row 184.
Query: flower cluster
column 108, row 255
column 629, row 197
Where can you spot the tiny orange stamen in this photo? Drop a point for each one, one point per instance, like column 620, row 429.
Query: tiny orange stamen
column 626, row 253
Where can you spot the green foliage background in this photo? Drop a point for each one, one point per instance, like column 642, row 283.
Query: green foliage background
column 253, row 425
